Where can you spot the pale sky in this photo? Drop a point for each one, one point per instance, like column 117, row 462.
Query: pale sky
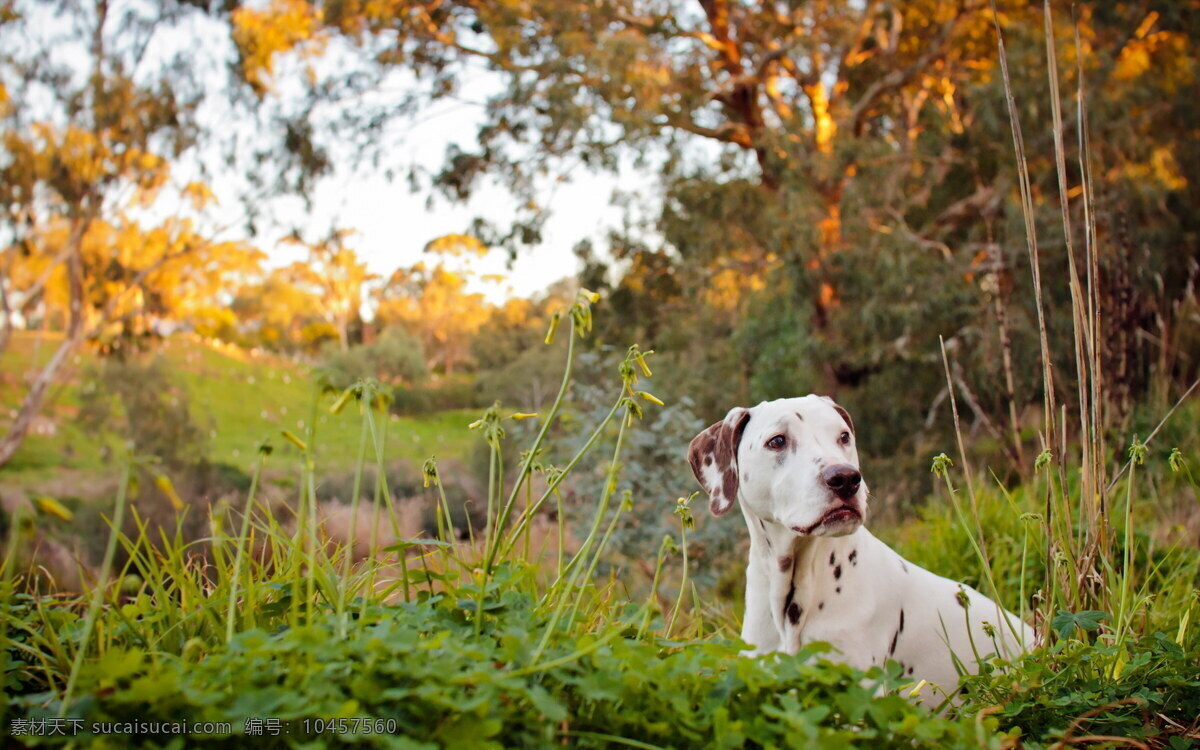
column 393, row 224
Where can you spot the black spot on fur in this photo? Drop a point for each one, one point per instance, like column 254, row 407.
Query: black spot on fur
column 785, row 563
column 832, row 558
column 799, row 417
column 794, row 612
column 910, row 670
column 762, row 524
column 896, row 637
column 903, row 566
column 837, row 572
column 821, row 605
column 854, row 557
column 839, row 589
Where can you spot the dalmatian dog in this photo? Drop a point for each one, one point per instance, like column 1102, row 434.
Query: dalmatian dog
column 816, row 574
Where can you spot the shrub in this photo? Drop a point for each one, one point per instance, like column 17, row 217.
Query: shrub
column 394, row 357
column 138, row 400
column 440, row 394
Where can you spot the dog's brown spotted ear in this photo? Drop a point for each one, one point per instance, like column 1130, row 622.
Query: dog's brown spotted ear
column 713, row 456
column 844, row 414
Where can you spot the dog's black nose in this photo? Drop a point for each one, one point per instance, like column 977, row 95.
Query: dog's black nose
column 843, row 479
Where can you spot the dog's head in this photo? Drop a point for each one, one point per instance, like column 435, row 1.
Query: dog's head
column 792, row 461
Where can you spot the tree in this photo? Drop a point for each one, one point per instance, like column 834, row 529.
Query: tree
column 91, row 122
column 803, row 89
column 837, row 176
column 334, row 279
column 136, row 281
column 432, row 303
column 276, row 313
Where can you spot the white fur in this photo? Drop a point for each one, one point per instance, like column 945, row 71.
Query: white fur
column 849, row 589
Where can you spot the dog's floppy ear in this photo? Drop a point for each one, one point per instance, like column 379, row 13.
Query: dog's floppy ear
column 844, row 414
column 713, row 456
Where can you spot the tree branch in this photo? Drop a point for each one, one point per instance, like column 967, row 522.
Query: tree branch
column 898, row 78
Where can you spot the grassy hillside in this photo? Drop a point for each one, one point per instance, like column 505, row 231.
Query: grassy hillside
column 238, row 397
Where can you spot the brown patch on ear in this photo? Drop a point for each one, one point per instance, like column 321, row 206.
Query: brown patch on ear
column 846, row 416
column 713, row 456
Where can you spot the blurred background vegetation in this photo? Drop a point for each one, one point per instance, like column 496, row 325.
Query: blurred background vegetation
column 832, row 187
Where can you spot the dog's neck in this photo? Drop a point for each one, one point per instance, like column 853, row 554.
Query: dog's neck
column 812, row 565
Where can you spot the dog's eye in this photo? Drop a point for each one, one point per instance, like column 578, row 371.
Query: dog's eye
column 776, row 443
column 844, row 439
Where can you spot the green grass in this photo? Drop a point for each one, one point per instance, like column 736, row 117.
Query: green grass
column 238, row 398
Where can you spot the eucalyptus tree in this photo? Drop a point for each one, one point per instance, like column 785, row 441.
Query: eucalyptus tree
column 94, row 112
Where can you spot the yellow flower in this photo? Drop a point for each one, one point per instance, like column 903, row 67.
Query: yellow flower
column 291, row 438
column 163, row 482
column 52, row 507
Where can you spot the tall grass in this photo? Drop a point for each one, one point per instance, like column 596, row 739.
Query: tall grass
column 1088, row 511
column 257, row 573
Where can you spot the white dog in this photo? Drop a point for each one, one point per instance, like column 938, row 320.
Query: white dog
column 815, row 572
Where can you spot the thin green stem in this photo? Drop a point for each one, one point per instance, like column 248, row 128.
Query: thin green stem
column 526, row 517
column 110, row 551
column 682, row 582
column 493, row 547
column 240, row 556
column 572, row 568
column 348, row 554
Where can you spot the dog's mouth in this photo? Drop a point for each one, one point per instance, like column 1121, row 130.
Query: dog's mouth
column 842, row 515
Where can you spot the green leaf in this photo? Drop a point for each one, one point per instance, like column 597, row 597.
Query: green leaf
column 1065, row 623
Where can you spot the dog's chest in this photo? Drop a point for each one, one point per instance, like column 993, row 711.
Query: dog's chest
column 846, row 592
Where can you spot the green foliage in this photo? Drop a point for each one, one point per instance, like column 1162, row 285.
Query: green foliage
column 424, row 670
column 235, row 396
column 437, row 395
column 493, row 643
column 1072, row 689
column 394, row 356
column 528, row 381
column 140, row 400
column 658, row 476
column 1066, row 623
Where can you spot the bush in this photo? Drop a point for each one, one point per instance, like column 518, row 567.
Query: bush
column 138, row 400
column 394, row 357
column 423, row 675
column 441, row 394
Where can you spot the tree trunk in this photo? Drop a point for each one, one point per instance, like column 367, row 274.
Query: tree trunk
column 343, row 334
column 6, row 321
column 32, row 404
column 829, row 242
